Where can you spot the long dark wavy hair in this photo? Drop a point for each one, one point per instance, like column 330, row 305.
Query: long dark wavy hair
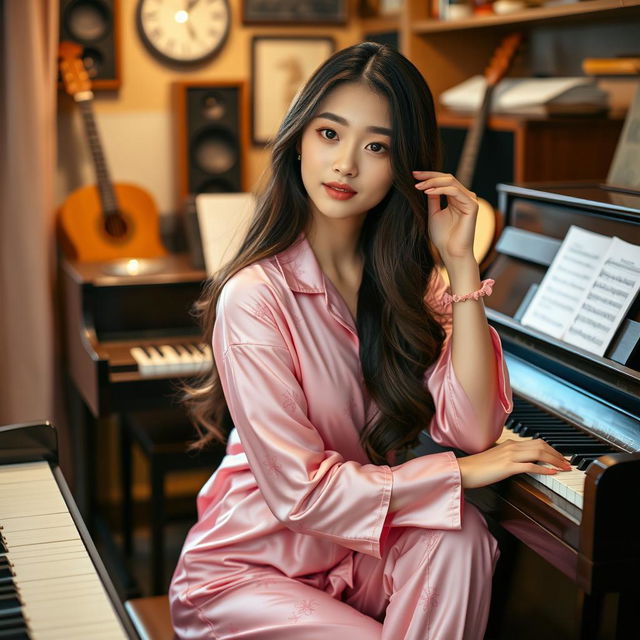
column 399, row 334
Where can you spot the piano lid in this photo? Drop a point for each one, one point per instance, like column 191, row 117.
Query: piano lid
column 537, row 218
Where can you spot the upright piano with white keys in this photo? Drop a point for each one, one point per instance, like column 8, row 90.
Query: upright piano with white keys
column 130, row 337
column 585, row 522
column 53, row 585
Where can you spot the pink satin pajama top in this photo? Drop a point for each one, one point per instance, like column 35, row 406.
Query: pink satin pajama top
column 286, row 349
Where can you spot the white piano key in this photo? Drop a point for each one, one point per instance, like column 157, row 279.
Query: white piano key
column 200, row 361
column 144, row 362
column 52, row 534
column 173, row 363
column 33, row 523
column 186, row 359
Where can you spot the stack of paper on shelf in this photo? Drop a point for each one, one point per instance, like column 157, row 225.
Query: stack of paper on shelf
column 529, row 96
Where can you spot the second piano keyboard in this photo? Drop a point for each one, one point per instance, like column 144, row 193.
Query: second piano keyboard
column 187, row 358
column 50, row 587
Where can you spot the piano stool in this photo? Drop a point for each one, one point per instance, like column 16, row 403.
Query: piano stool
column 151, row 618
column 162, row 436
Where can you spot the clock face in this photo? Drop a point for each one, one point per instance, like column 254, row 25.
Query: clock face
column 183, row 31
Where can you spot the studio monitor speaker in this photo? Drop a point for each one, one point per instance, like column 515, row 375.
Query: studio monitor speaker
column 211, row 127
column 94, row 24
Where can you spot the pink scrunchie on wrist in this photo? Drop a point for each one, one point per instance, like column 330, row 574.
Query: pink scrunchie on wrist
column 485, row 290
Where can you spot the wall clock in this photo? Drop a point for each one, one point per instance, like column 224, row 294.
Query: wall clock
column 183, row 31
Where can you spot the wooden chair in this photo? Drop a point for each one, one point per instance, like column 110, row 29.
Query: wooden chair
column 162, row 436
column 151, row 618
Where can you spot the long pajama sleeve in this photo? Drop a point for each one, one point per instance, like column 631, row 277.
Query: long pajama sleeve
column 454, row 419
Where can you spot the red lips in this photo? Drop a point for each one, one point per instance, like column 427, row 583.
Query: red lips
column 338, row 190
column 340, row 187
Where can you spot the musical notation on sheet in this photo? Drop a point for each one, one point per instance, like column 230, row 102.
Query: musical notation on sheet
column 587, row 290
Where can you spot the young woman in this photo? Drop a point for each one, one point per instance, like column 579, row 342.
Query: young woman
column 335, row 344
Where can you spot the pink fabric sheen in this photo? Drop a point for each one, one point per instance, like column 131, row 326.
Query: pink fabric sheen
column 296, row 493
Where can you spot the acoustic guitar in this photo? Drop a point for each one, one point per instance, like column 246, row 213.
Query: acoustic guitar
column 105, row 221
column 488, row 224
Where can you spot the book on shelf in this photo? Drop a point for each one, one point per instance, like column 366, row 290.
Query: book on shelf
column 621, row 66
column 575, row 95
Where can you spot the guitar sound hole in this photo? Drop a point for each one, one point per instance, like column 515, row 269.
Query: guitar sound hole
column 116, row 226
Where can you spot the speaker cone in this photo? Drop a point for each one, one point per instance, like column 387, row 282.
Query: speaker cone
column 87, row 20
column 214, row 151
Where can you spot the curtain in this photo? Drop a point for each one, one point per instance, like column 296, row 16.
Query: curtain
column 29, row 348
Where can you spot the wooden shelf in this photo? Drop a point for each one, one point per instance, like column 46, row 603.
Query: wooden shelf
column 381, row 24
column 574, row 10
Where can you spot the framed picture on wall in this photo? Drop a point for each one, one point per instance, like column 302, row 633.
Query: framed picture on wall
column 280, row 66
column 294, row 11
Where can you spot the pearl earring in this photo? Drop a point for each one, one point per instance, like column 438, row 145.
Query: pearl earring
column 298, row 156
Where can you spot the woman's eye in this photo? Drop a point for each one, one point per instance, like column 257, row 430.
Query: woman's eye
column 377, row 147
column 329, row 134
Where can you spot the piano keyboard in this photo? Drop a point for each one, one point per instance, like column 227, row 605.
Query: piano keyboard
column 579, row 449
column 49, row 587
column 174, row 359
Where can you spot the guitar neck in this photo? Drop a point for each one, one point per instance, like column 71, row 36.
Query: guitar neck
column 103, row 179
column 473, row 140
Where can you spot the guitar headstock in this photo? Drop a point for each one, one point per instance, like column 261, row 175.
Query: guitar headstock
column 74, row 75
column 502, row 59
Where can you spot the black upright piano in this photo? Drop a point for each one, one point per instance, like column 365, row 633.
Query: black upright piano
column 585, row 522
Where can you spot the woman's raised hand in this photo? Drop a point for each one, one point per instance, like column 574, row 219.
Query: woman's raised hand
column 451, row 229
column 508, row 459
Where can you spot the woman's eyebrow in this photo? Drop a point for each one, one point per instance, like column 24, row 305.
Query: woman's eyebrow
column 340, row 120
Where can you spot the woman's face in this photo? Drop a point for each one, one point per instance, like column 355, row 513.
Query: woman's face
column 346, row 152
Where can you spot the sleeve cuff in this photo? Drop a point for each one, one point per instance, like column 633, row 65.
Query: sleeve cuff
column 429, row 492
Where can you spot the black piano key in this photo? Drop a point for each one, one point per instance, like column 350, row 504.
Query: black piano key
column 8, row 588
column 585, row 462
column 579, row 448
column 3, row 546
column 15, row 634
column 535, row 431
column 566, row 438
column 10, row 605
column 13, row 622
column 6, row 575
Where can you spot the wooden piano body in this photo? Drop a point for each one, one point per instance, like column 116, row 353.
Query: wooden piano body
column 108, row 315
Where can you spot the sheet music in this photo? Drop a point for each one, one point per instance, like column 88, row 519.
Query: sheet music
column 587, row 290
column 223, row 219
column 566, row 282
column 608, row 300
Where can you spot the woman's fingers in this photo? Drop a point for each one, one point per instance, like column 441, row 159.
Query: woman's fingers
column 539, row 451
column 531, row 467
column 450, row 190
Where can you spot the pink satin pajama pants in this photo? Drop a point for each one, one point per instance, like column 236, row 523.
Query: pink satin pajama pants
column 429, row 585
